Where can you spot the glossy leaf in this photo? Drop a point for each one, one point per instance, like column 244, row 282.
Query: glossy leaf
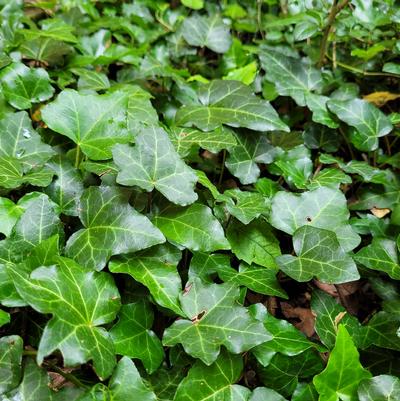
column 156, row 269
column 153, row 163
column 319, row 255
column 112, row 227
column 193, row 227
column 10, row 362
column 379, row 388
column 343, row 373
column 231, row 103
column 80, row 301
column 23, row 86
column 214, row 318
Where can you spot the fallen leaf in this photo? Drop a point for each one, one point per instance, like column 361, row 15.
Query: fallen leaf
column 376, row 211
column 379, row 99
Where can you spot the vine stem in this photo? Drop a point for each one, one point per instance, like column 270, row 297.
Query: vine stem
column 335, row 10
column 77, row 156
column 68, row 376
column 221, row 175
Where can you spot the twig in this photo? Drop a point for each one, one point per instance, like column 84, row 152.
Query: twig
column 335, row 10
column 353, row 157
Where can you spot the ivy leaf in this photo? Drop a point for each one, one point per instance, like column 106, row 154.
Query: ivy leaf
column 154, row 163
column 4, row 318
column 112, row 227
column 11, row 348
column 283, row 372
column 286, row 339
column 156, row 269
column 94, row 122
column 246, row 206
column 321, row 115
column 80, row 301
column 320, row 255
column 186, row 139
column 380, row 255
column 322, row 208
column 192, row 227
column 204, row 265
column 9, row 214
column 254, row 242
column 367, row 119
column 343, row 374
column 251, row 149
column 67, row 188
column 231, row 103
column 258, row 279
column 132, row 335
column 291, row 76
column 208, row 32
column 262, row 393
column 21, row 142
column 328, row 313
column 379, row 388
column 216, row 381
column 23, row 86
column 214, row 318
column 328, row 177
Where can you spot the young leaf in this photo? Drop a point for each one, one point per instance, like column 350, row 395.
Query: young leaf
column 4, row 318
column 80, row 301
column 156, row 269
column 213, row 382
column 112, row 227
column 9, row 214
column 94, row 122
column 319, row 255
column 323, row 208
column 208, row 32
column 231, row 103
column 132, row 335
column 344, row 372
column 154, row 163
column 214, row 318
column 193, row 227
column 23, row 86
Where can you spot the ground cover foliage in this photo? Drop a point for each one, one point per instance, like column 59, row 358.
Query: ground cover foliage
column 199, row 200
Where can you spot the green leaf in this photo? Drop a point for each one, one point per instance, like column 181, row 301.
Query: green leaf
column 370, row 123
column 256, row 278
column 112, row 227
column 246, row 74
column 10, row 362
column 54, row 28
column 251, row 149
column 132, row 335
column 214, row 318
column 343, row 374
column 94, row 122
column 9, row 214
column 283, row 372
column 380, row 255
column 246, row 206
column 80, row 301
column 194, row 4
column 205, row 265
column 21, row 150
column 23, row 86
column 321, row 115
column 215, row 382
column 286, row 339
column 4, row 318
column 67, row 188
column 329, row 313
column 319, row 255
column 208, row 32
column 156, row 268
column 192, row 227
column 292, row 77
column 91, row 80
column 329, row 177
column 379, row 388
column 263, row 393
column 186, row 139
column 254, row 243
column 153, row 163
column 231, row 103
column 322, row 208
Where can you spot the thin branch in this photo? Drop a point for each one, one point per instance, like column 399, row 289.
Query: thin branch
column 335, row 10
